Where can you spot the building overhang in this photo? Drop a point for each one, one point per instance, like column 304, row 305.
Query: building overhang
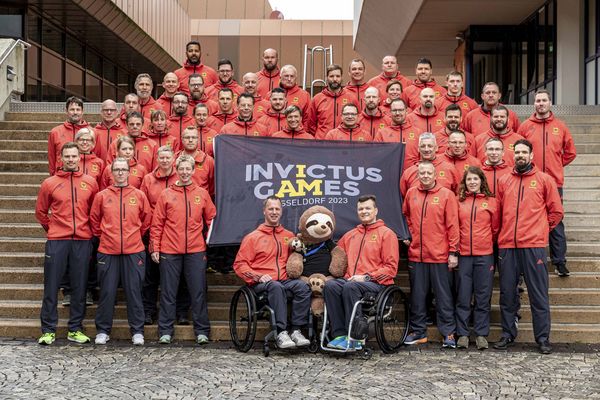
column 411, row 29
column 104, row 26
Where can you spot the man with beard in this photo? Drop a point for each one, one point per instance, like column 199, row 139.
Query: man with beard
column 250, row 84
column 371, row 117
column 274, row 119
column 109, row 129
column 452, row 119
column 357, row 86
column 245, row 124
column 400, row 130
column 499, row 128
column 268, row 77
column 170, row 85
column 65, row 132
column 477, row 121
column 426, row 117
column 143, row 86
column 226, row 72
column 226, row 112
column 349, row 129
column 193, row 65
column 197, row 95
column 294, row 94
column 131, row 103
column 530, row 206
column 389, row 72
column 554, row 149
column 446, row 175
column 424, row 80
column 326, row 107
column 494, row 166
column 180, row 119
column 455, row 94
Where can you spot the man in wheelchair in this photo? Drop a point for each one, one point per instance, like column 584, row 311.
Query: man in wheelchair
column 261, row 261
column 372, row 250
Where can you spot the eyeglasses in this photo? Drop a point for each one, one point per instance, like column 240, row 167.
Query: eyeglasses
column 84, row 140
column 120, row 170
column 398, row 111
column 349, row 114
column 109, row 110
column 197, row 84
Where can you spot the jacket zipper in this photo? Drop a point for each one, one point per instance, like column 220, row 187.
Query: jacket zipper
column 73, row 193
column 471, row 227
column 362, row 242
column 278, row 253
column 544, row 146
column 122, row 215
column 518, row 203
column 423, row 213
column 186, row 217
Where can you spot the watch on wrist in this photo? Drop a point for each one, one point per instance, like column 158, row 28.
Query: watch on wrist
column 367, row 277
column 455, row 253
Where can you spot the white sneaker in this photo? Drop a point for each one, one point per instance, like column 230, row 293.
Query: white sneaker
column 102, row 338
column 138, row 339
column 299, row 339
column 284, row 341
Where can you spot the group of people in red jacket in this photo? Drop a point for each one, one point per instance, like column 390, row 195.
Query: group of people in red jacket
column 142, row 180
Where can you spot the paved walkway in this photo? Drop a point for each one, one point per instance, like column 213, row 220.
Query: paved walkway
column 119, row 371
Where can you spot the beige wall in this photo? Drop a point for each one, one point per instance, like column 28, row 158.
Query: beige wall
column 243, row 41
column 166, row 21
column 227, row 9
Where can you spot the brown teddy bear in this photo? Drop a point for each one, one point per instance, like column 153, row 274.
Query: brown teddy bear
column 316, row 259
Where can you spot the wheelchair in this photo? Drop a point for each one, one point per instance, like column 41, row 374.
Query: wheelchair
column 387, row 313
column 245, row 310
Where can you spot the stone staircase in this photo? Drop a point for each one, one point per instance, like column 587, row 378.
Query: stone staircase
column 23, row 140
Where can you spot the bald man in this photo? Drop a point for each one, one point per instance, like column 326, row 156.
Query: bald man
column 250, row 84
column 372, row 117
column 268, row 76
column 170, row 84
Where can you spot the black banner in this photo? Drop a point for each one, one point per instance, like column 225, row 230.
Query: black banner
column 302, row 173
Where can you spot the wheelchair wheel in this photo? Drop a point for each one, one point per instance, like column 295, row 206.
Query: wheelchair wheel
column 243, row 319
column 391, row 321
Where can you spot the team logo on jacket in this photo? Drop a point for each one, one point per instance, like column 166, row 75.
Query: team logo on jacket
column 361, row 139
column 411, row 135
column 197, row 199
column 442, row 174
column 94, row 168
column 286, row 240
column 484, row 205
column 555, row 130
column 204, row 74
column 436, row 200
column 465, row 105
column 83, row 186
column 373, row 238
column 344, row 101
column 437, row 93
column 438, row 122
column 382, row 125
column 533, row 184
column 256, row 133
column 511, row 146
column 295, row 100
column 209, row 139
column 200, row 166
column 134, row 172
column 145, row 148
column 132, row 201
column 466, row 167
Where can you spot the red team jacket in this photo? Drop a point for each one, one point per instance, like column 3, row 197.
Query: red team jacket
column 325, row 112
column 59, row 135
column 106, row 136
column 208, row 74
column 479, row 223
column 154, row 183
column 120, row 216
column 63, row 205
column 432, row 218
column 372, row 250
column 357, row 134
column 263, row 251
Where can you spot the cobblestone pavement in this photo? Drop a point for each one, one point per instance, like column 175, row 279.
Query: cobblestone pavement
column 184, row 371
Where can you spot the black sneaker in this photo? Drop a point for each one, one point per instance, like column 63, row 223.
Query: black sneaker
column 148, row 320
column 545, row 347
column 504, row 343
column 561, row 270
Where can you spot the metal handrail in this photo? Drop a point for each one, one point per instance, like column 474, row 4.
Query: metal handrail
column 327, row 51
column 12, row 47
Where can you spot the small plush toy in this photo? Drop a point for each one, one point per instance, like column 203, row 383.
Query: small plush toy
column 315, row 258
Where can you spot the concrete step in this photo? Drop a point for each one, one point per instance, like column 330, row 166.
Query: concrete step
column 583, row 249
column 585, row 194
column 581, row 182
column 27, row 230
column 24, row 259
column 28, row 125
column 24, row 156
column 8, row 216
column 22, row 244
column 572, row 220
column 580, row 119
column 586, row 135
column 24, row 145
column 29, row 134
column 582, row 207
column 19, row 189
column 24, row 167
column 583, row 129
column 27, row 178
column 582, row 234
column 30, row 328
column 18, row 202
column 562, row 297
column 586, row 159
column 560, row 314
column 46, row 116
column 588, row 148
column 590, row 170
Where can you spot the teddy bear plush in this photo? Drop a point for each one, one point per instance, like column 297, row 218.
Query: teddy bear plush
column 315, row 258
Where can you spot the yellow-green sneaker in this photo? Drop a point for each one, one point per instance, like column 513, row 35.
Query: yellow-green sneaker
column 78, row 337
column 47, row 338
